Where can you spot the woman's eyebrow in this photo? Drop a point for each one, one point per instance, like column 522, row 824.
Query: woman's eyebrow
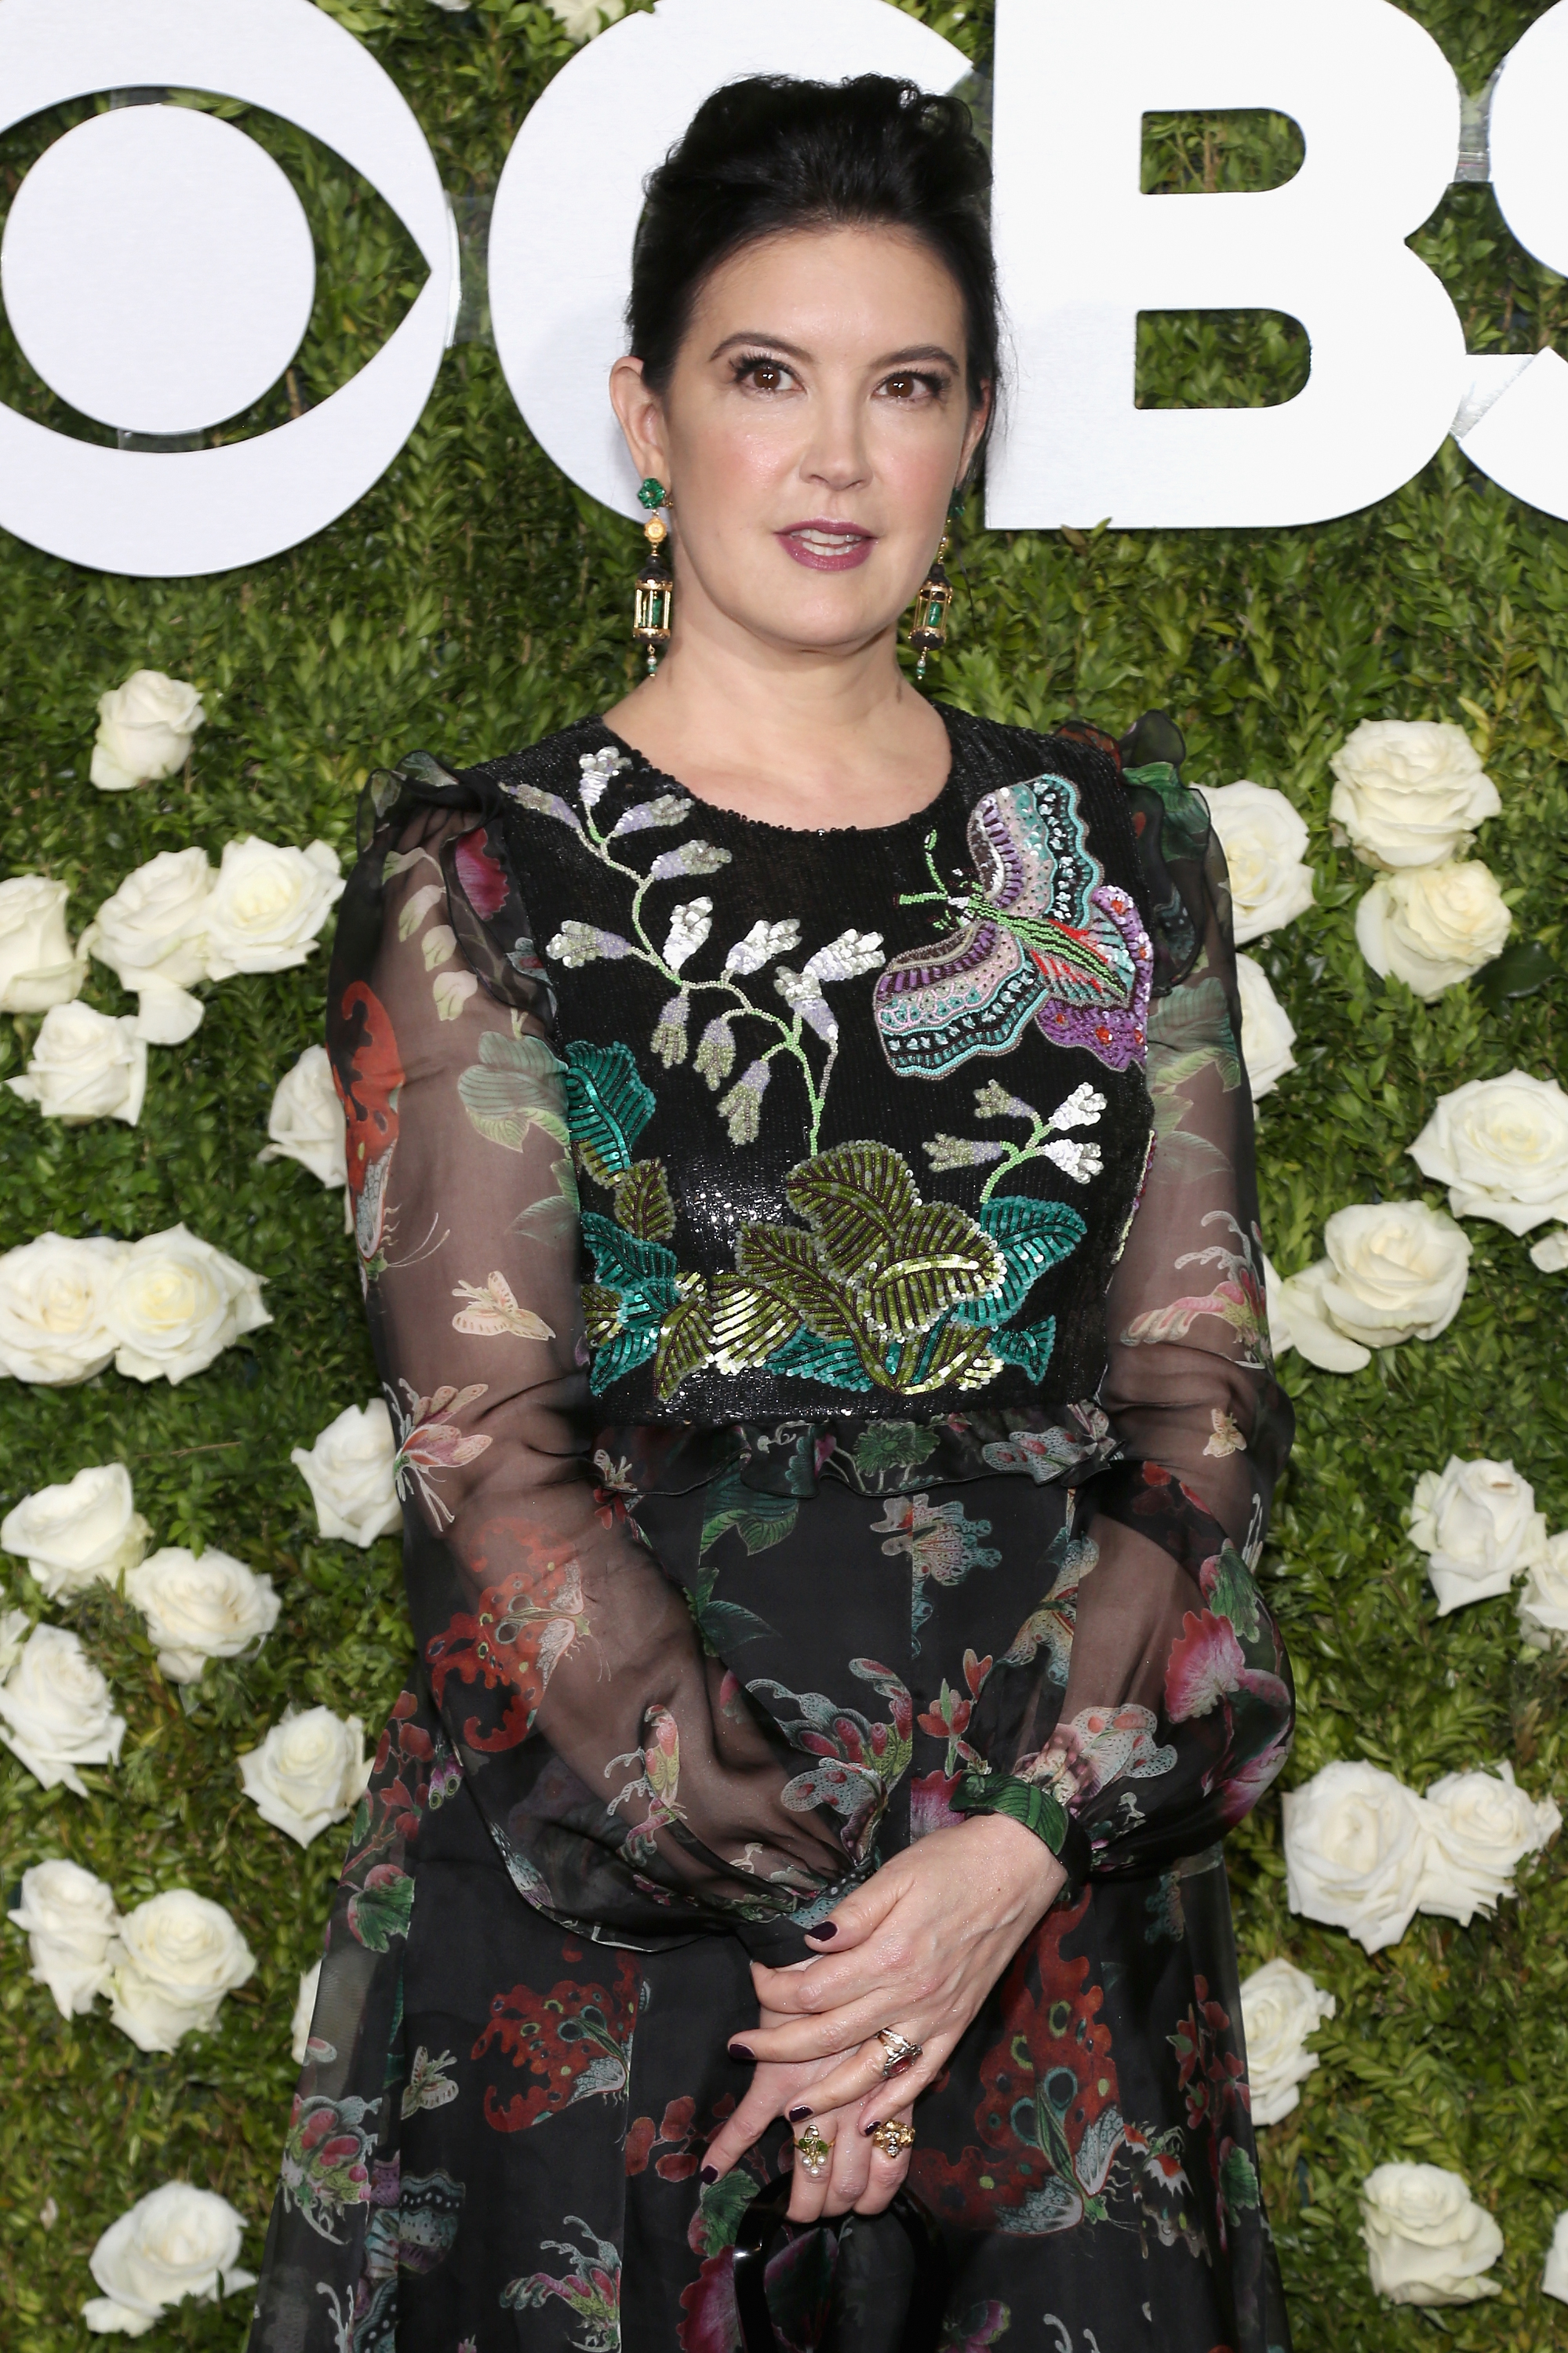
column 796, row 352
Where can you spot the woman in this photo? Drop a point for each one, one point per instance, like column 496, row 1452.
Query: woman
column 835, row 1676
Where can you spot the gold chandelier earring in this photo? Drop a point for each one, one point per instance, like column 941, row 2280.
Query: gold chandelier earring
column 928, row 630
column 654, row 605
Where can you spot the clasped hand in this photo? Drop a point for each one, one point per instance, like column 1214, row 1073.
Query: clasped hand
column 917, row 1948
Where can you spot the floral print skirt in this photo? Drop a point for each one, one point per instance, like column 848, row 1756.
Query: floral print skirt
column 499, row 2132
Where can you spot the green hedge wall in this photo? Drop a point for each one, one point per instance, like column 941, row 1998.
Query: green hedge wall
column 473, row 601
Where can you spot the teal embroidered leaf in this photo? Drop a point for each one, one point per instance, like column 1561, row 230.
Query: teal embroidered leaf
column 623, row 1260
column 1033, row 1236
column 631, row 1348
column 857, row 1198
column 608, row 1105
column 515, row 1086
column 1032, row 1348
column 808, row 1358
column 748, row 1323
column 642, row 1203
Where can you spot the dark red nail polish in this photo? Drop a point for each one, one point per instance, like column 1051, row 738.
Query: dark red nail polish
column 799, row 2116
column 868, row 2130
column 708, row 2173
column 739, row 2050
column 824, row 1930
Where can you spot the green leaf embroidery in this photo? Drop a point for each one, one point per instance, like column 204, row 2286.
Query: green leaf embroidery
column 1033, row 1236
column 683, row 1336
column 941, row 1259
column 623, row 1260
column 642, row 1203
column 748, row 1323
column 783, row 1260
column 857, row 1198
column 608, row 1105
column 835, row 1363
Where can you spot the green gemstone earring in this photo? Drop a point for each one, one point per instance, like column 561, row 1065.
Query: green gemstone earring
column 928, row 630
column 654, row 605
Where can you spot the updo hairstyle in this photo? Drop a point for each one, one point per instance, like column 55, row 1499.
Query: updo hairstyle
column 770, row 153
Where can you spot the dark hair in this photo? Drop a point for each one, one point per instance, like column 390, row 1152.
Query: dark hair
column 771, row 153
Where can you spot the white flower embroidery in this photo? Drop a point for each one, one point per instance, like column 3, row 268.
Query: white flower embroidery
column 578, row 944
column 689, row 926
column 761, row 944
column 1078, row 1161
column 1082, row 1109
column 847, row 957
column 598, row 769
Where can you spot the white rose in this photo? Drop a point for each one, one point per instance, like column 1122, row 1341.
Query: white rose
column 176, row 1303
column 1297, row 1319
column 305, row 1121
column 1427, row 2240
column 308, row 1772
column 68, row 1917
column 151, row 933
column 1408, row 792
column 1355, row 1852
column 1550, row 1255
column 1543, row 1597
column 145, row 731
column 1264, row 841
column 54, row 1296
column 268, row 905
column 580, row 18
column 349, row 1473
column 1501, row 1146
column 56, row 1712
column 304, row 2011
column 86, row 1065
column 81, row 1532
column 1267, row 1031
column 1555, row 2278
column 1483, row 1825
column 39, row 966
column 13, row 1625
column 1478, row 1525
column 1399, row 1271
column 1434, row 928
column 1280, row 2007
column 176, row 2242
column 174, row 1960
column 200, row 1607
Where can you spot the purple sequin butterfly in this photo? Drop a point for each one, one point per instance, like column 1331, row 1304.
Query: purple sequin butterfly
column 1042, row 937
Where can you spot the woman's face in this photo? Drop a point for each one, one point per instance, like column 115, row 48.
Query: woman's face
column 814, row 430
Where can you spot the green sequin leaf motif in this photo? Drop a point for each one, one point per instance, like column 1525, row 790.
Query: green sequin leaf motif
column 637, row 1286
column 609, row 1106
column 516, row 1085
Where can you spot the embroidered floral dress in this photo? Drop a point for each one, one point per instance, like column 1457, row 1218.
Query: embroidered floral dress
column 816, row 1282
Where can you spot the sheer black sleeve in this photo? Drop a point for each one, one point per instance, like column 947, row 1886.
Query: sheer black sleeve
column 1177, row 1709
column 629, row 1783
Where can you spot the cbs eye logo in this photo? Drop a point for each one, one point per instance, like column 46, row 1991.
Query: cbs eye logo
column 158, row 271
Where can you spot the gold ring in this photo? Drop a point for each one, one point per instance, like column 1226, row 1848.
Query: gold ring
column 813, row 2151
column 893, row 2139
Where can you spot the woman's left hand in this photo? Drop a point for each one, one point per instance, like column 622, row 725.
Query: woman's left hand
column 917, row 1948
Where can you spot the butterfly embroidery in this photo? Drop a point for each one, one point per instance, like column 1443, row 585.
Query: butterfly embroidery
column 1042, row 937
